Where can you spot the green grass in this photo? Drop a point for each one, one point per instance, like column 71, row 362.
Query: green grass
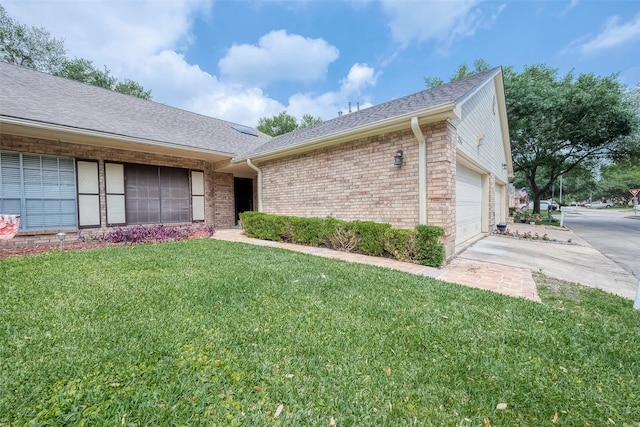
column 205, row 332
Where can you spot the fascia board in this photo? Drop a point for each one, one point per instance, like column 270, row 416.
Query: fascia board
column 428, row 115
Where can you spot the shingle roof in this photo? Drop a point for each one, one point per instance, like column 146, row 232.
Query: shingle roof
column 39, row 97
column 440, row 95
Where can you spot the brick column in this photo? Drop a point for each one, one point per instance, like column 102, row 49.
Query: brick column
column 441, row 181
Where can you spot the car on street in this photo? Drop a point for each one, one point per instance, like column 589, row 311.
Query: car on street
column 544, row 205
column 599, row 205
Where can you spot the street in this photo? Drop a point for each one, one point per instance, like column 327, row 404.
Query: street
column 612, row 232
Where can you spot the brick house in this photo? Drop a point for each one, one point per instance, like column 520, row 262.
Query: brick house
column 76, row 157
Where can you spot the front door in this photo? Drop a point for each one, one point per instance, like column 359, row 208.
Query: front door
column 243, row 194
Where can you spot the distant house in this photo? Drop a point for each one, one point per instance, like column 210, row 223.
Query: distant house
column 77, row 157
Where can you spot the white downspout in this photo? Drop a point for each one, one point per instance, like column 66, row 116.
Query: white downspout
column 257, row 169
column 422, row 171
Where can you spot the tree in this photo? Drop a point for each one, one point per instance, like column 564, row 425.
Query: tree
column 479, row 65
column 285, row 123
column 129, row 87
column 82, row 70
column 308, row 120
column 617, row 179
column 557, row 124
column 35, row 48
column 30, row 47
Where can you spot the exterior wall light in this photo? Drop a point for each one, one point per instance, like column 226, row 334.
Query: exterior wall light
column 504, row 166
column 397, row 158
column 61, row 237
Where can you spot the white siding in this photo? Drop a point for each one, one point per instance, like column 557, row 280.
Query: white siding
column 468, row 204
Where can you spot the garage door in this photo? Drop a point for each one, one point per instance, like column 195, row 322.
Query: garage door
column 468, row 204
column 499, row 204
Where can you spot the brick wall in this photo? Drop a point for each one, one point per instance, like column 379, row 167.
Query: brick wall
column 441, row 181
column 219, row 206
column 358, row 180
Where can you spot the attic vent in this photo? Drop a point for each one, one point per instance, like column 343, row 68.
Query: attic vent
column 245, row 129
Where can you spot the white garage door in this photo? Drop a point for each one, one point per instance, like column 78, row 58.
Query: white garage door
column 499, row 204
column 468, row 204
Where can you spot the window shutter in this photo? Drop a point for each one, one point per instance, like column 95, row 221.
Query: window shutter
column 114, row 176
column 197, row 195
column 88, row 194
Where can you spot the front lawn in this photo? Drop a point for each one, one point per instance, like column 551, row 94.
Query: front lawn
column 205, row 332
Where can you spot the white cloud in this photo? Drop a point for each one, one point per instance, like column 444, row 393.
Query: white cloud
column 613, row 35
column 359, row 77
column 278, row 56
column 444, row 21
column 146, row 43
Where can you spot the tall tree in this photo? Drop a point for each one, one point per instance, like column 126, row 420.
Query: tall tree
column 616, row 179
column 31, row 47
column 35, row 48
column 479, row 65
column 285, row 123
column 557, row 124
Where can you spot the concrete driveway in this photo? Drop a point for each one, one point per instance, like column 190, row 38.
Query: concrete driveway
column 565, row 256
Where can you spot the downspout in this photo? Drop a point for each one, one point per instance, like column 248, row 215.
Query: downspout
column 257, row 169
column 422, row 171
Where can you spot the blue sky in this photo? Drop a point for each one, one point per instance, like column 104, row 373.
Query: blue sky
column 242, row 60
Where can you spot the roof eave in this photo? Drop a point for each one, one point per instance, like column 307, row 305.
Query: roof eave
column 428, row 115
column 30, row 128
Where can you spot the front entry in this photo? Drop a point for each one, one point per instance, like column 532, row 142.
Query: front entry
column 243, row 194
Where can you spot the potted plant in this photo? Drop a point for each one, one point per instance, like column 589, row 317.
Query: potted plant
column 501, row 227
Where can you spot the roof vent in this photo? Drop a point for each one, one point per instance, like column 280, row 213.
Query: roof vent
column 245, row 129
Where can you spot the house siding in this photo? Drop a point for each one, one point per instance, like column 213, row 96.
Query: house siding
column 358, row 180
column 216, row 184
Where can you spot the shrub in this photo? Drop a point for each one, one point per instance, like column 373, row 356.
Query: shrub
column 151, row 233
column 343, row 237
column 401, row 244
column 266, row 226
column 429, row 249
column 371, row 236
column 308, row 231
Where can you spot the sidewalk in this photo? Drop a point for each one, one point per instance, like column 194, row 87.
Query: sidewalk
column 508, row 280
column 565, row 257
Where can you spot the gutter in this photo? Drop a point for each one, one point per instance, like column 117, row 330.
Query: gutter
column 422, row 171
column 257, row 169
column 439, row 112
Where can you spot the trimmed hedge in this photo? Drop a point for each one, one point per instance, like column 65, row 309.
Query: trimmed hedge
column 421, row 246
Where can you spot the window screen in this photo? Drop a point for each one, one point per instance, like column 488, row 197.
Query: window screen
column 156, row 194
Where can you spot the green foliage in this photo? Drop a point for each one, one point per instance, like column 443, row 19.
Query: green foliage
column 559, row 123
column 285, row 123
column 264, row 226
column 401, row 244
column 129, row 87
column 463, row 71
column 429, row 249
column 307, row 231
column 30, row 47
column 33, row 47
column 308, row 120
column 205, row 332
column 617, row 179
column 370, row 238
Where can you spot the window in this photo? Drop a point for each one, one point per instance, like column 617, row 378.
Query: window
column 156, row 194
column 41, row 189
